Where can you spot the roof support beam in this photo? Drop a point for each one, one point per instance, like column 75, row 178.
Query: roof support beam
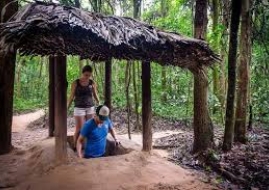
column 7, row 76
column 108, row 83
column 51, row 95
column 146, row 106
column 60, row 99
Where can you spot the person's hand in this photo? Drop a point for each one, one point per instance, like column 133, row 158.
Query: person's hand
column 117, row 141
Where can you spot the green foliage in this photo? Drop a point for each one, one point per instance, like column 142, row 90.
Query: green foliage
column 23, row 105
column 31, row 83
column 259, row 82
column 178, row 17
column 259, row 64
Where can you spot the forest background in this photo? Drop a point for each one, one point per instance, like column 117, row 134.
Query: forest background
column 172, row 87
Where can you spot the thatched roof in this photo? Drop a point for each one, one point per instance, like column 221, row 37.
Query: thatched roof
column 46, row 28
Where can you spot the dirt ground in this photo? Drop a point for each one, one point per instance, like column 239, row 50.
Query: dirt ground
column 244, row 167
column 31, row 165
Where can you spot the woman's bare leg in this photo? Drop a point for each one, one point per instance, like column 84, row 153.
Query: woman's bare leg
column 89, row 116
column 79, row 123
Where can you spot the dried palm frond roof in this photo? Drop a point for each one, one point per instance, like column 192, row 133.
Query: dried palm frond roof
column 47, row 29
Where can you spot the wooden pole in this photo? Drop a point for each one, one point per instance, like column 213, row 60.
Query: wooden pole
column 7, row 76
column 108, row 83
column 146, row 106
column 60, row 108
column 51, row 95
column 7, row 70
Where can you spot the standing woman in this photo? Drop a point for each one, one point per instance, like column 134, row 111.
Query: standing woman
column 83, row 92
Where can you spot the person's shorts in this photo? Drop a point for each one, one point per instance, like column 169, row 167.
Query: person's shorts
column 84, row 111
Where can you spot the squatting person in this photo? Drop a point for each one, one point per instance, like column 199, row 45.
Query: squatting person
column 93, row 134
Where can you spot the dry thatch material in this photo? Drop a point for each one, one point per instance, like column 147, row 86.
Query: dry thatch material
column 48, row 29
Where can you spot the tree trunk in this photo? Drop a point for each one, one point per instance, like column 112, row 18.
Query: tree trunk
column 164, row 10
column 216, row 74
column 51, row 95
column 203, row 128
column 137, row 8
column 80, row 65
column 137, row 15
column 108, row 83
column 97, row 6
column 225, row 5
column 60, row 109
column 250, row 121
column 229, row 120
column 77, row 3
column 41, row 67
column 137, row 123
column 127, row 90
column 243, row 75
column 146, row 106
column 164, row 84
column 7, row 76
column 20, row 65
column 189, row 103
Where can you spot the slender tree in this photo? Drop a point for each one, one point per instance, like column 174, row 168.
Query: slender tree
column 164, row 10
column 229, row 120
column 127, row 94
column 137, row 8
column 225, row 9
column 216, row 42
column 96, row 5
column 243, row 74
column 77, row 3
column 137, row 15
column 203, row 128
column 7, row 76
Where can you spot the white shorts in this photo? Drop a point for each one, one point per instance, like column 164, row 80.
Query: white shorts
column 84, row 111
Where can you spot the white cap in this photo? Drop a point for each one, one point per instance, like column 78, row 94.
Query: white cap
column 104, row 111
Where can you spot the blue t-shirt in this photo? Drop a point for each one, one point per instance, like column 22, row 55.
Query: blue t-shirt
column 95, row 145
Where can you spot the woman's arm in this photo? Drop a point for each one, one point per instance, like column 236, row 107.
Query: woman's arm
column 72, row 94
column 95, row 94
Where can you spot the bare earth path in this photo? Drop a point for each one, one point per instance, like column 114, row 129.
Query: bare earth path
column 31, row 166
column 20, row 122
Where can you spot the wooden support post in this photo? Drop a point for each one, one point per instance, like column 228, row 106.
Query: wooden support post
column 108, row 83
column 146, row 106
column 60, row 109
column 51, row 95
column 7, row 76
